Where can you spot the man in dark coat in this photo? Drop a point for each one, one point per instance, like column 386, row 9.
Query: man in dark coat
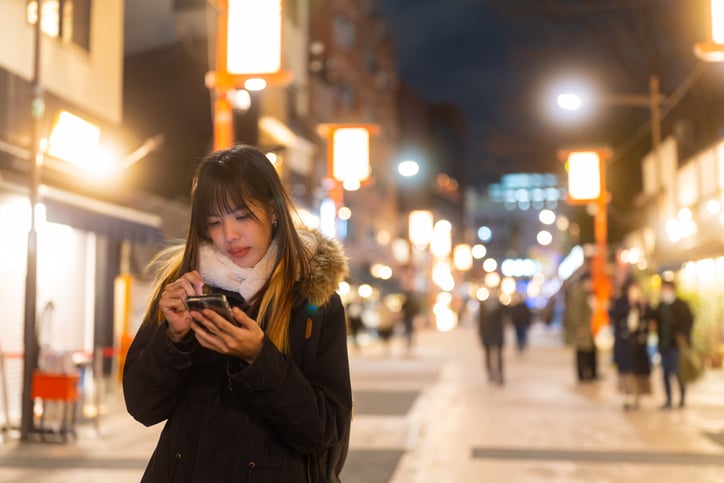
column 521, row 317
column 490, row 326
column 674, row 321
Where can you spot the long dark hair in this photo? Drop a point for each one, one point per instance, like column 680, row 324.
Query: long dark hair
column 239, row 178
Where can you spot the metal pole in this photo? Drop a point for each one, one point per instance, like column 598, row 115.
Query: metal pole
column 97, row 386
column 4, row 389
column 601, row 282
column 31, row 349
column 223, row 112
column 655, row 106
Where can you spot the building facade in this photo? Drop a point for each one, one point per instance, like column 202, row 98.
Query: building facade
column 89, row 230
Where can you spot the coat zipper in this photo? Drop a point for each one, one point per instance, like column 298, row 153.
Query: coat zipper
column 252, row 465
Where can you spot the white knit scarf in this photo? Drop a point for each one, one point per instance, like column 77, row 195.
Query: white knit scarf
column 219, row 270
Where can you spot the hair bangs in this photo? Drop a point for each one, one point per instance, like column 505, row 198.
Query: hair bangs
column 223, row 191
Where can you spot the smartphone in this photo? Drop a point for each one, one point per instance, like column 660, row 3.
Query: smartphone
column 216, row 302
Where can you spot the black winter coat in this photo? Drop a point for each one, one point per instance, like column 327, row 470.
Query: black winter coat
column 227, row 421
column 491, row 322
column 630, row 350
column 674, row 319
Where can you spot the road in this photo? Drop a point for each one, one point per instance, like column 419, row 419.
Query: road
column 433, row 417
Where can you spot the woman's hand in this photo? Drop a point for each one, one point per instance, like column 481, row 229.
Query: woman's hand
column 172, row 305
column 243, row 339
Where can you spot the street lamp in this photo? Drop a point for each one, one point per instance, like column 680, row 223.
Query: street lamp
column 713, row 49
column 652, row 101
column 348, row 157
column 30, row 337
column 248, row 56
column 420, row 223
column 587, row 185
column 408, row 168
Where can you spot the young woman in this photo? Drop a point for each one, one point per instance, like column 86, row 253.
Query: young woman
column 265, row 397
column 630, row 315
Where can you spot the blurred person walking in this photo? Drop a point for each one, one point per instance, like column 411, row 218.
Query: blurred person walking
column 520, row 316
column 630, row 315
column 674, row 322
column 579, row 333
column 491, row 321
column 355, row 322
column 387, row 321
column 410, row 309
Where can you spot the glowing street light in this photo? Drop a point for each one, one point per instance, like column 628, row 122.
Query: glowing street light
column 351, row 154
column 587, row 184
column 74, row 140
column 408, row 168
column 463, row 257
column 713, row 49
column 547, row 217
column 652, row 101
column 544, row 238
column 420, row 228
column 254, row 40
column 348, row 156
column 248, row 56
column 479, row 251
column 569, row 101
column 441, row 243
column 584, row 176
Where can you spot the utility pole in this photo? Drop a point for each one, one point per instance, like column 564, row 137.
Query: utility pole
column 30, row 337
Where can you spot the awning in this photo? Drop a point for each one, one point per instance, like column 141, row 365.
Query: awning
column 299, row 155
column 89, row 214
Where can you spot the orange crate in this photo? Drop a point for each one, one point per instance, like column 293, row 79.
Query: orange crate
column 62, row 387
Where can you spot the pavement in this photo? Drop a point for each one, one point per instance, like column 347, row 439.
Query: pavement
column 431, row 416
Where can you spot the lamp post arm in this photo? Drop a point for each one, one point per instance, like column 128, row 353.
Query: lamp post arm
column 150, row 145
column 632, row 100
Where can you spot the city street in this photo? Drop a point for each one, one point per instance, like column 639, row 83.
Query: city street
column 433, row 417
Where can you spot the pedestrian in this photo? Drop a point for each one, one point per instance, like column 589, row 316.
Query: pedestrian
column 355, row 322
column 387, row 320
column 410, row 309
column 520, row 316
column 674, row 322
column 577, row 318
column 630, row 314
column 491, row 321
column 265, row 396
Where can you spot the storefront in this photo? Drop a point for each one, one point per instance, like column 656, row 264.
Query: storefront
column 684, row 240
column 79, row 256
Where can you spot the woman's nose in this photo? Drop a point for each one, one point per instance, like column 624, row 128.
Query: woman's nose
column 230, row 231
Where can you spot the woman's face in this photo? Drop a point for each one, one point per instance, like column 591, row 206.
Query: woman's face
column 240, row 236
column 634, row 294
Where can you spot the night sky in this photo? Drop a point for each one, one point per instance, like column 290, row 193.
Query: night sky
column 499, row 60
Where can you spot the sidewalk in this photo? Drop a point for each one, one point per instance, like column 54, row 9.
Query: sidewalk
column 434, row 418
column 544, row 426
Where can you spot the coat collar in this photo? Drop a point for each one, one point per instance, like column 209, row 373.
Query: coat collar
column 328, row 266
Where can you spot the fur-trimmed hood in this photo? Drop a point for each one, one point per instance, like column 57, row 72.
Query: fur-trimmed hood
column 328, row 266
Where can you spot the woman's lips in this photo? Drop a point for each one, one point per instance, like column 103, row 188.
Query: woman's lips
column 238, row 252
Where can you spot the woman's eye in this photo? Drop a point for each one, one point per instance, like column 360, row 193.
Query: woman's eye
column 242, row 217
column 212, row 222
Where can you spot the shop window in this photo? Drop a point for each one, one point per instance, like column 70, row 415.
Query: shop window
column 67, row 20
